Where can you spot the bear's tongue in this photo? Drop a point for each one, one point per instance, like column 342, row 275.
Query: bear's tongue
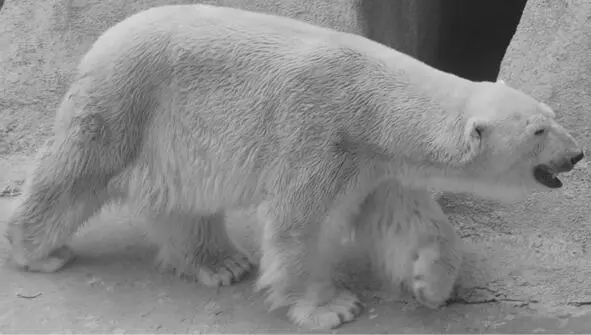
column 545, row 177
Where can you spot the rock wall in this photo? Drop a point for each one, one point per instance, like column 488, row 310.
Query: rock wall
column 550, row 58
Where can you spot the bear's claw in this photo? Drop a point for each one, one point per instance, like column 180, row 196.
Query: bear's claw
column 224, row 272
column 232, row 270
column 428, row 294
column 57, row 260
column 345, row 307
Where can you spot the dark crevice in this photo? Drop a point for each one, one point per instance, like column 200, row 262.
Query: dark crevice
column 474, row 35
column 465, row 37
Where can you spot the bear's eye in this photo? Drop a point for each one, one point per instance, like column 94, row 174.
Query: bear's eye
column 479, row 131
column 540, row 132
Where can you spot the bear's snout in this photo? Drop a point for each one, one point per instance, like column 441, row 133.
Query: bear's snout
column 577, row 158
column 545, row 174
column 568, row 162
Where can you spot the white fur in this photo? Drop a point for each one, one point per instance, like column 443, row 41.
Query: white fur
column 411, row 238
column 187, row 112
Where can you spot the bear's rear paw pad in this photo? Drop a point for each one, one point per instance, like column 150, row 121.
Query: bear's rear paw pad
column 430, row 294
column 225, row 272
column 220, row 272
column 344, row 307
column 56, row 260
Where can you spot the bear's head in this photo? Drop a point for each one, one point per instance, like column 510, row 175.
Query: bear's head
column 512, row 144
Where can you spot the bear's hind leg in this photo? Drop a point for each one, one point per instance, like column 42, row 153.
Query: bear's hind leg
column 411, row 239
column 437, row 259
column 65, row 189
column 435, row 269
column 198, row 247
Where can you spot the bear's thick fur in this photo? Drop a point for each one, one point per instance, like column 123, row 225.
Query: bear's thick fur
column 189, row 111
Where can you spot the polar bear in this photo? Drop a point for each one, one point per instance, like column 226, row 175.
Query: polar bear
column 189, row 111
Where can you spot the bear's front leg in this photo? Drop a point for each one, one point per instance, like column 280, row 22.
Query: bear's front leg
column 296, row 266
column 198, row 247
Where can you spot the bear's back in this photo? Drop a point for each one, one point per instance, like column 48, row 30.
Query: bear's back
column 214, row 32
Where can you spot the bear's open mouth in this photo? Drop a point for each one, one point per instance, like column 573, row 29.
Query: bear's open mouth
column 544, row 175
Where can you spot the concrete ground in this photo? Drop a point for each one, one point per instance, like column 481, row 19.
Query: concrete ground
column 512, row 283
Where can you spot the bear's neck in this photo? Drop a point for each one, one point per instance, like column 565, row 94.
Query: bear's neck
column 418, row 115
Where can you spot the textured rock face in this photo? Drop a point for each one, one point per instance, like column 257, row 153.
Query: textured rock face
column 550, row 58
column 544, row 243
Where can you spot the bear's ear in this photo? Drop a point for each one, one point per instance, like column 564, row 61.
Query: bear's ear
column 548, row 110
column 474, row 132
column 501, row 81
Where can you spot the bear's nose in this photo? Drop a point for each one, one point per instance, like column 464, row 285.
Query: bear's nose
column 577, row 158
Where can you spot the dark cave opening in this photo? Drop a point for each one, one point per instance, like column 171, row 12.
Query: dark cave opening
column 474, row 35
